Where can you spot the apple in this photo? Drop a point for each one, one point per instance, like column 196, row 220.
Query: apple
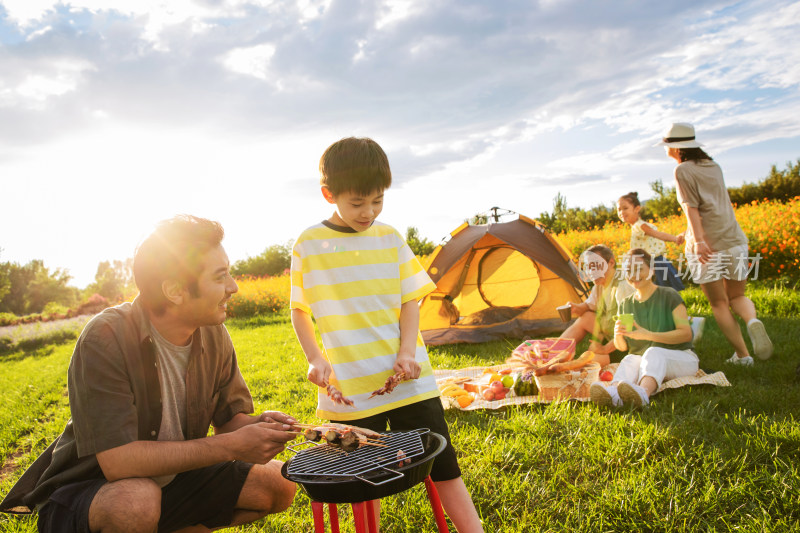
column 488, row 395
column 500, row 395
column 508, row 381
column 606, row 375
column 497, row 386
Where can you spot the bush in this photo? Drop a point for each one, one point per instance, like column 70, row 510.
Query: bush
column 55, row 308
column 419, row 245
column 273, row 261
column 93, row 305
column 663, row 204
column 8, row 319
column 574, row 218
column 780, row 185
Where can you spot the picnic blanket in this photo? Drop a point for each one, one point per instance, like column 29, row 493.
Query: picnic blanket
column 701, row 378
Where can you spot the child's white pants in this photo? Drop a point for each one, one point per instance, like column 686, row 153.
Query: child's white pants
column 659, row 364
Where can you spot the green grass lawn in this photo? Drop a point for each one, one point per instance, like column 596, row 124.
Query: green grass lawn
column 698, row 459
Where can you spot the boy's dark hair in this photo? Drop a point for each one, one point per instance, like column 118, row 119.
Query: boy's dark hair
column 632, row 198
column 174, row 251
column 603, row 251
column 357, row 165
column 640, row 252
column 692, row 154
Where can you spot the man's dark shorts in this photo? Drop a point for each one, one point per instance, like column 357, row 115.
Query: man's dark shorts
column 425, row 414
column 204, row 496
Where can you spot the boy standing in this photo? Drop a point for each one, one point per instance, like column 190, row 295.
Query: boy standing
column 362, row 282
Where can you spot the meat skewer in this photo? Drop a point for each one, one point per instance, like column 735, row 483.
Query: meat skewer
column 312, row 434
column 336, row 396
column 347, row 438
column 391, row 382
column 401, row 456
column 342, row 428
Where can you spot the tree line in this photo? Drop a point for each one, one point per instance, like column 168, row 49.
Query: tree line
column 33, row 288
column 778, row 185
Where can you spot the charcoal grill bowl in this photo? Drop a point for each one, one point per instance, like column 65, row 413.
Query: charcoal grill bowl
column 349, row 489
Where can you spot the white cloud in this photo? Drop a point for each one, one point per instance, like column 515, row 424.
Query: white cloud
column 48, row 78
column 252, row 61
column 394, row 11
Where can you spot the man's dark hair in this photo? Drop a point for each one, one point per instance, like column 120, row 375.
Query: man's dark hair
column 637, row 253
column 357, row 165
column 174, row 251
column 641, row 252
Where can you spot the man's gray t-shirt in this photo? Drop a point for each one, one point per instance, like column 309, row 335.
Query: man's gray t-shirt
column 173, row 361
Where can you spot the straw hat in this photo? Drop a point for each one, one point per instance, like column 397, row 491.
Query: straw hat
column 679, row 135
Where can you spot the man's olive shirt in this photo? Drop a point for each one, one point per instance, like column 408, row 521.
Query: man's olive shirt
column 115, row 398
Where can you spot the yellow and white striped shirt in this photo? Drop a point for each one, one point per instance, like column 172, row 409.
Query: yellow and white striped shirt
column 354, row 284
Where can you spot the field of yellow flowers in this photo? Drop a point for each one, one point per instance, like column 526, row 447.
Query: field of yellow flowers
column 772, row 229
column 260, row 296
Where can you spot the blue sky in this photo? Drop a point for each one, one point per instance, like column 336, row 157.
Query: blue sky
column 116, row 114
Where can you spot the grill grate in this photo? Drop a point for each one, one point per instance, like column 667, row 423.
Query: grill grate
column 327, row 460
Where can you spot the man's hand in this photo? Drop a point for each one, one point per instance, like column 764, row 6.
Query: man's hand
column 319, row 371
column 408, row 364
column 260, row 443
column 277, row 416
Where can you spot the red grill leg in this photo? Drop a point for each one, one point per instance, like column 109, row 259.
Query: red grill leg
column 436, row 505
column 334, row 517
column 371, row 523
column 319, row 516
column 358, row 517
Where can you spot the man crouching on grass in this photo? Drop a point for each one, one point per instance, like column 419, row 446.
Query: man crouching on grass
column 146, row 381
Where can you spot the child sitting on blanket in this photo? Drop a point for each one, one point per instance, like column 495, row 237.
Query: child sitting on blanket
column 659, row 343
column 596, row 314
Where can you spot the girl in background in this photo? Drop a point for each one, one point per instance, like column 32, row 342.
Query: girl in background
column 646, row 236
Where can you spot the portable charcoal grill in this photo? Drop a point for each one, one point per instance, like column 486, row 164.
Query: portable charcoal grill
column 329, row 474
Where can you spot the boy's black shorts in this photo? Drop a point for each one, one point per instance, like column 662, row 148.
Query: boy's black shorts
column 425, row 414
column 204, row 496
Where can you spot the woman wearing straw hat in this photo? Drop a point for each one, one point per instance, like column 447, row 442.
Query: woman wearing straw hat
column 716, row 247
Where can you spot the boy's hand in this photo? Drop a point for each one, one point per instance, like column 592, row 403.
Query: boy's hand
column 408, row 364
column 638, row 332
column 319, row 370
column 679, row 239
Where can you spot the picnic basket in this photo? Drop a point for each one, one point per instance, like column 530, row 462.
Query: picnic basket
column 570, row 384
column 541, row 350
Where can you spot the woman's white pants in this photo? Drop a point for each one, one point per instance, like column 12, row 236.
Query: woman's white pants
column 658, row 363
